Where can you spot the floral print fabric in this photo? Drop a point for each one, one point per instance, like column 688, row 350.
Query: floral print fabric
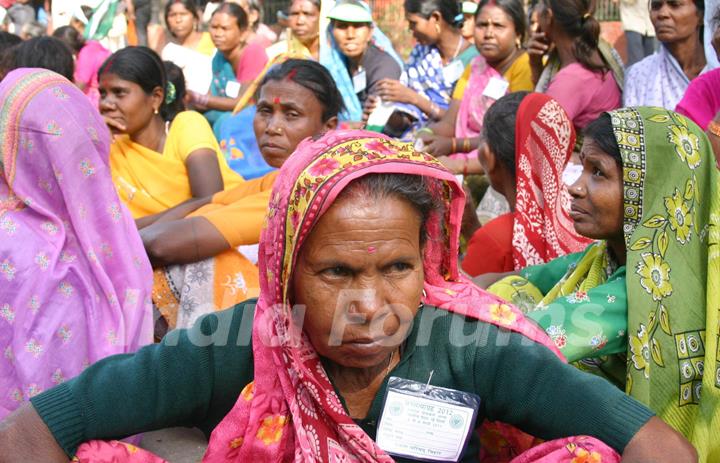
column 74, row 275
column 671, row 278
column 672, row 215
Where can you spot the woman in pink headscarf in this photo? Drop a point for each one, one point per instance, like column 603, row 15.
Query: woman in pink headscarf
column 74, row 279
column 360, row 291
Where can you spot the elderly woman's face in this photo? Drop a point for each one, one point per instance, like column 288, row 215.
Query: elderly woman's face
column 287, row 113
column 674, row 20
column 360, row 277
column 304, row 21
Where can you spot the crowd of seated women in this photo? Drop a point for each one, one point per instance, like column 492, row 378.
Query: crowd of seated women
column 274, row 236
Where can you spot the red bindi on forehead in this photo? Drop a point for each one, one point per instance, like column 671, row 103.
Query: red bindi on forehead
column 276, row 100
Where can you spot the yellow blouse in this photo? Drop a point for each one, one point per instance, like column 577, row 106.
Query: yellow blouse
column 205, row 45
column 518, row 76
column 149, row 182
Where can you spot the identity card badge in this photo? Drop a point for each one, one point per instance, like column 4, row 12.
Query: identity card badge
column 453, row 71
column 232, row 89
column 360, row 81
column 426, row 422
column 496, row 88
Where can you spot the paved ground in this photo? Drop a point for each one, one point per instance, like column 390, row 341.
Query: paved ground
column 176, row 445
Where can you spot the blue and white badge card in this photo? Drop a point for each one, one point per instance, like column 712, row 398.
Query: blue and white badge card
column 360, row 81
column 426, row 422
column 453, row 71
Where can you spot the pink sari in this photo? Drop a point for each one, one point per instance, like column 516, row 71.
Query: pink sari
column 291, row 411
column 474, row 104
column 75, row 281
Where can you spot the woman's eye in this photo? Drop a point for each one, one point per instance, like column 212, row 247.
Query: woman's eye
column 337, row 272
column 597, row 172
column 400, row 267
column 292, row 115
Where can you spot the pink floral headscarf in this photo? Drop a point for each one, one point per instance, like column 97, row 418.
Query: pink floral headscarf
column 291, row 410
column 75, row 281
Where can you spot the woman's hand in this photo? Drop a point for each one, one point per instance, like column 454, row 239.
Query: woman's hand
column 198, row 101
column 393, row 90
column 114, row 126
column 454, row 165
column 537, row 48
column 370, row 104
column 438, row 146
column 658, row 443
column 24, row 436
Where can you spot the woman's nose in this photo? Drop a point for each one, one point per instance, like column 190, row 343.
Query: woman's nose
column 577, row 189
column 106, row 104
column 274, row 125
column 367, row 303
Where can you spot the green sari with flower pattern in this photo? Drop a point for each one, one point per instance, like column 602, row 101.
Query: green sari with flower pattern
column 672, row 278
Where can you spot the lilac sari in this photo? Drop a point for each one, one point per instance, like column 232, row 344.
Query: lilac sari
column 75, row 282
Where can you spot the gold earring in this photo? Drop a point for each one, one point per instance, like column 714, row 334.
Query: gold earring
column 437, row 28
column 156, row 111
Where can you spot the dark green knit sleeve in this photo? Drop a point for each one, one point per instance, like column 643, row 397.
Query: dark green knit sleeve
column 173, row 383
column 524, row 384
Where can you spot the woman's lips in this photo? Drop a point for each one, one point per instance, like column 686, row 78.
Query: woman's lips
column 365, row 347
column 577, row 212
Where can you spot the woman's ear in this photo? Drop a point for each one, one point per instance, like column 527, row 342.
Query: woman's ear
column 487, row 158
column 331, row 124
column 158, row 97
column 436, row 16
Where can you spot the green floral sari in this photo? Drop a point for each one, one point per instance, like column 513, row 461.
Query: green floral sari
column 672, row 279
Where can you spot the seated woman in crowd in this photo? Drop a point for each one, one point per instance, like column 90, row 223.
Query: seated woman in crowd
column 304, row 39
column 435, row 64
column 161, row 155
column 210, row 236
column 261, row 33
column 528, row 140
column 650, row 191
column 286, row 383
column 75, row 279
column 469, row 8
column 89, row 56
column 358, row 55
column 237, row 62
column 701, row 101
column 503, row 66
column 580, row 74
column 188, row 47
column 662, row 78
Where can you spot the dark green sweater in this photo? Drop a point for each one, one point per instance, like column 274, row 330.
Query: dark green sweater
column 194, row 376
